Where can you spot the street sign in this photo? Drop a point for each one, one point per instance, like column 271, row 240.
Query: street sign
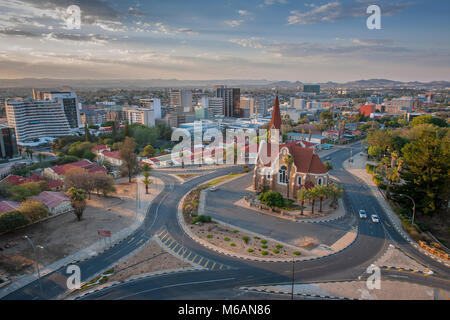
column 104, row 233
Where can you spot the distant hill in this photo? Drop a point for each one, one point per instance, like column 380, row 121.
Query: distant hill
column 174, row 83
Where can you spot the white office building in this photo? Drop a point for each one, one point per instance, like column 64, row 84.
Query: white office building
column 36, row 119
column 213, row 105
column 181, row 98
column 152, row 104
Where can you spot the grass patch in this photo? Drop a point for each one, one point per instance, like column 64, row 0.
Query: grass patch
column 297, row 253
column 209, row 236
column 276, row 251
column 235, row 231
column 279, row 246
column 226, row 239
column 246, row 239
column 264, row 247
column 263, row 241
column 250, row 250
column 233, row 244
column 264, row 253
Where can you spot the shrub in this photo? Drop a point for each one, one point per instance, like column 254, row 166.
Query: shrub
column 236, row 231
column 264, row 247
column 264, row 253
column 250, row 250
column 233, row 244
column 246, row 239
column 276, row 251
column 226, row 239
column 272, row 199
column 209, row 236
column 297, row 253
column 263, row 241
column 11, row 220
column 279, row 246
column 33, row 210
column 201, row 218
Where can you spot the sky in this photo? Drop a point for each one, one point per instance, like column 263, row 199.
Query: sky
column 294, row 40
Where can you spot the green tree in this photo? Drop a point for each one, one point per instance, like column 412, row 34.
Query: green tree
column 314, row 194
column 272, row 199
column 302, row 196
column 12, row 220
column 322, row 193
column 289, row 161
column 33, row 210
column 428, row 119
column 78, row 200
column 149, row 151
column 127, row 130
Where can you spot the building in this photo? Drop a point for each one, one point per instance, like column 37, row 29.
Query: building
column 298, row 104
column 6, row 206
column 249, row 107
column 142, row 116
column 55, row 202
column 213, row 105
column 69, row 101
column 111, row 157
column 58, row 172
column 311, row 88
column 93, row 116
column 181, row 98
column 399, row 105
column 115, row 115
column 153, row 104
column 307, row 169
column 313, row 138
column 8, row 143
column 35, row 119
column 231, row 101
column 367, row 110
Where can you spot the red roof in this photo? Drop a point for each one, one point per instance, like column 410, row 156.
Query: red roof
column 6, row 206
column 51, row 199
column 100, row 147
column 98, row 169
column 305, row 159
column 16, row 180
column 275, row 123
column 55, row 184
column 111, row 154
column 62, row 169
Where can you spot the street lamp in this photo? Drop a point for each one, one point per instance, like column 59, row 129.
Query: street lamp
column 36, row 260
column 293, row 270
column 414, row 208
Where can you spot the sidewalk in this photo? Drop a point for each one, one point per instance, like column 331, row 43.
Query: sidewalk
column 98, row 247
column 358, row 169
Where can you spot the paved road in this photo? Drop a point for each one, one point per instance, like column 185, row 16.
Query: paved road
column 215, row 283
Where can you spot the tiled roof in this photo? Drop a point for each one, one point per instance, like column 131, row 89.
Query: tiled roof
column 98, row 169
column 51, row 199
column 16, row 180
column 305, row 159
column 112, row 154
column 6, row 206
column 62, row 169
column 99, row 147
column 55, row 184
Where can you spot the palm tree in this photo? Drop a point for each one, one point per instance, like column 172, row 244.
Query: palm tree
column 289, row 160
column 313, row 197
column 78, row 200
column 335, row 192
column 302, row 196
column 29, row 152
column 146, row 172
column 40, row 157
column 321, row 194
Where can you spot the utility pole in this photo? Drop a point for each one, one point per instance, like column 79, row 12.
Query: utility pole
column 293, row 271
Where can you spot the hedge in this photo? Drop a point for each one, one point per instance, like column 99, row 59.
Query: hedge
column 12, row 220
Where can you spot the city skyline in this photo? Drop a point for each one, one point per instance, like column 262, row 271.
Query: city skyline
column 199, row 40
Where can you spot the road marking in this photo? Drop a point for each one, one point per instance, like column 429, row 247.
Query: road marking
column 193, row 259
column 171, row 241
column 167, row 240
column 164, row 236
column 159, row 235
column 221, row 267
column 212, row 268
column 131, row 240
column 206, row 264
column 175, row 247
column 200, row 260
column 190, row 252
column 140, row 241
column 179, row 250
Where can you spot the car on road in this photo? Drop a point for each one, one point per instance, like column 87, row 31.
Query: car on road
column 375, row 218
column 213, row 188
column 328, row 158
column 362, row 214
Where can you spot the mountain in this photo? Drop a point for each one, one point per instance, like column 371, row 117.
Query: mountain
column 174, row 83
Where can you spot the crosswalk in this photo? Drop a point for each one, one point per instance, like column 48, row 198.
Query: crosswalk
column 187, row 254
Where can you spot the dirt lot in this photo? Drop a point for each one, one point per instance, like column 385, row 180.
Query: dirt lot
column 64, row 235
column 152, row 258
column 234, row 240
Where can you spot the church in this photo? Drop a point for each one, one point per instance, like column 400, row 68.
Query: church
column 293, row 168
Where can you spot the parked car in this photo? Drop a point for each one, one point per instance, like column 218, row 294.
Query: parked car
column 375, row 218
column 362, row 214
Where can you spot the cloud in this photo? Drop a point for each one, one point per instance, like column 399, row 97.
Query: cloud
column 335, row 11
column 19, row 33
column 136, row 12
column 234, row 23
column 164, row 29
column 94, row 38
column 271, row 2
column 243, row 12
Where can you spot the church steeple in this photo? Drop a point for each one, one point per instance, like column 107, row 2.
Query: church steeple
column 275, row 123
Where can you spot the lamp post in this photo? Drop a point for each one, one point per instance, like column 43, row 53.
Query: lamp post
column 414, row 208
column 36, row 260
column 293, row 270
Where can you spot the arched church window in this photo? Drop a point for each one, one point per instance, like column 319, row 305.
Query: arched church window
column 282, row 175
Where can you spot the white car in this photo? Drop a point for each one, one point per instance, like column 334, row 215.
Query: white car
column 362, row 214
column 375, row 218
column 213, row 188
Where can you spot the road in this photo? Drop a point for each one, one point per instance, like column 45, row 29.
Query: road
column 223, row 283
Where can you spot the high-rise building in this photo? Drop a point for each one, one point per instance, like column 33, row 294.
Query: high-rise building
column 231, row 101
column 181, row 98
column 311, row 88
column 69, row 101
column 213, row 105
column 152, row 104
column 298, row 104
column 142, row 116
column 33, row 119
column 93, row 116
column 8, row 143
column 248, row 102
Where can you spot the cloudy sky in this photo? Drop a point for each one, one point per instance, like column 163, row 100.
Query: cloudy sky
column 309, row 41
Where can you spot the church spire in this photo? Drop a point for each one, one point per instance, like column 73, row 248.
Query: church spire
column 275, row 123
